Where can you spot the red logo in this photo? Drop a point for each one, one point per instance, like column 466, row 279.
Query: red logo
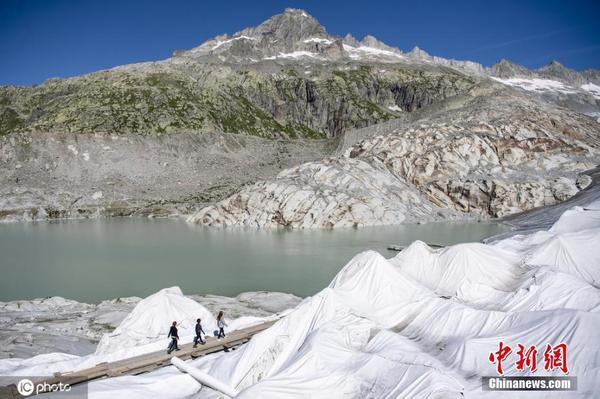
column 556, row 357
column 527, row 357
column 499, row 356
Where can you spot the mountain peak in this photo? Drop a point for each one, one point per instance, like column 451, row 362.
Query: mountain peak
column 556, row 63
column 556, row 70
column 418, row 53
column 286, row 29
column 296, row 36
column 508, row 69
column 504, row 61
column 297, row 11
column 556, row 67
column 372, row 41
column 292, row 20
column 351, row 40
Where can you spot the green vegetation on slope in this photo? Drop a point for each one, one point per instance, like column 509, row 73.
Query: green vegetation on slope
column 159, row 100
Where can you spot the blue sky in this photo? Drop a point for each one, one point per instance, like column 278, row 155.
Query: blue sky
column 40, row 39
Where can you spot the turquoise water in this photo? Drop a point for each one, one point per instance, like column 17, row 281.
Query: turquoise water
column 92, row 260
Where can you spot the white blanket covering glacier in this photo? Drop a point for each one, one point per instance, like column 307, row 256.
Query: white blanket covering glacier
column 149, row 320
column 419, row 325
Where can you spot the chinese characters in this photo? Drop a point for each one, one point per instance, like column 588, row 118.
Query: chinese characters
column 554, row 357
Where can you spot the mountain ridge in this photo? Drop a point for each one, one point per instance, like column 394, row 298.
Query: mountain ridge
column 295, row 17
column 295, row 24
column 222, row 86
column 240, row 84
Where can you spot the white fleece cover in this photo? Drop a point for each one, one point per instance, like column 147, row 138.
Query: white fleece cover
column 419, row 325
column 151, row 318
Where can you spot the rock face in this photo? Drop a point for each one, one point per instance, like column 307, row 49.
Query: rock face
column 489, row 157
column 282, row 102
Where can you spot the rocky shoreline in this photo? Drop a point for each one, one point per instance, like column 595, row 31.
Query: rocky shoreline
column 47, row 176
column 37, row 326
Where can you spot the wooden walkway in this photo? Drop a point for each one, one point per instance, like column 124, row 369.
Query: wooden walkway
column 151, row 361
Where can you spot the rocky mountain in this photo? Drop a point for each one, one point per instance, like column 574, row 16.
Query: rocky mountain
column 296, row 35
column 484, row 155
column 279, row 102
column 552, row 71
column 554, row 82
column 176, row 135
column 506, row 69
column 284, row 78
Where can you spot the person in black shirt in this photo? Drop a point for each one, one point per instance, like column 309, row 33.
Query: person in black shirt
column 199, row 332
column 174, row 338
column 221, row 324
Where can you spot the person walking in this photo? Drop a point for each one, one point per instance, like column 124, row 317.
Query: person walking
column 174, row 338
column 221, row 324
column 199, row 332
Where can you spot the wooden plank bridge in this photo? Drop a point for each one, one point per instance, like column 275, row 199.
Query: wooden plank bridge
column 146, row 362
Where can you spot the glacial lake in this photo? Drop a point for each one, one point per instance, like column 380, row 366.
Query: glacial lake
column 93, row 260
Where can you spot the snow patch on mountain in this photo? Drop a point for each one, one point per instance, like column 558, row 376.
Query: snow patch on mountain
column 537, row 85
column 319, row 40
column 593, row 89
column 364, row 52
column 293, row 55
column 219, row 44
